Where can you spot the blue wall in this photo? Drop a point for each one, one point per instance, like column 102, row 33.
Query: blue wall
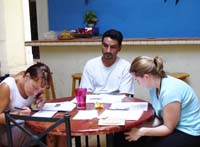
column 134, row 18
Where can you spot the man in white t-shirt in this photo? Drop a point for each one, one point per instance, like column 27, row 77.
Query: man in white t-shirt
column 108, row 74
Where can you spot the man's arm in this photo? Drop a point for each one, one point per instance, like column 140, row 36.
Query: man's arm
column 86, row 79
column 127, row 83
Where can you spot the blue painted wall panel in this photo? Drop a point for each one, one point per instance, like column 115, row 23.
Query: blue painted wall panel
column 135, row 18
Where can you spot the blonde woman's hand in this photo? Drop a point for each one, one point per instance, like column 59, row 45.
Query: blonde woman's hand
column 133, row 135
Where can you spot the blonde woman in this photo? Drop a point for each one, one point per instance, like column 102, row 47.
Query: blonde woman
column 176, row 106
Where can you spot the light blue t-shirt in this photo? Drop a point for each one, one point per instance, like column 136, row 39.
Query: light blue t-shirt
column 173, row 89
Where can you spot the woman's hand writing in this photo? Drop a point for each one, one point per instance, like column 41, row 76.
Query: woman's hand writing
column 23, row 111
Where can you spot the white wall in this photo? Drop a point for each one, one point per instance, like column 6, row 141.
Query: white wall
column 66, row 60
column 13, row 52
column 14, row 33
column 3, row 55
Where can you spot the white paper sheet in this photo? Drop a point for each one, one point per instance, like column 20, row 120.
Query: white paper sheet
column 44, row 113
column 111, row 121
column 102, row 98
column 139, row 106
column 121, row 114
column 86, row 114
column 59, row 106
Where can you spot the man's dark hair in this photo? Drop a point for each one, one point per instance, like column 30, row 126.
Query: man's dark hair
column 114, row 34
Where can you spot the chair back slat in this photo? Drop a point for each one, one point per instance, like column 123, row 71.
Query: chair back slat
column 36, row 138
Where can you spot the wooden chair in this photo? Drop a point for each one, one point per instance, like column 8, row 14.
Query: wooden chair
column 47, row 91
column 180, row 75
column 36, row 139
column 76, row 79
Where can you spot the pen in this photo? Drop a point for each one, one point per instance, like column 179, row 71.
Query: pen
column 18, row 108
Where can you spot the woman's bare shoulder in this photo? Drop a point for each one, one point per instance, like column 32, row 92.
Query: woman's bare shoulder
column 4, row 96
column 4, row 89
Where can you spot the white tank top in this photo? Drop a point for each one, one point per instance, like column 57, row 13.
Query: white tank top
column 15, row 97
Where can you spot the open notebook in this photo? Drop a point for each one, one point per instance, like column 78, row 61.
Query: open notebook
column 49, row 109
